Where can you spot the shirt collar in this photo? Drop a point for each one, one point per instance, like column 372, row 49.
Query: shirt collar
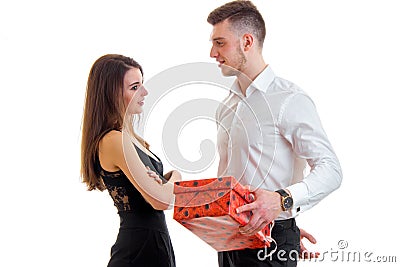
column 236, row 88
column 264, row 79
column 262, row 82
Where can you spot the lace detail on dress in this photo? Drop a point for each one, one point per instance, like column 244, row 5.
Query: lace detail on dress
column 111, row 175
column 119, row 194
column 120, row 197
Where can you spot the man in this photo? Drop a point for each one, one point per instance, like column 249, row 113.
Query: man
column 268, row 130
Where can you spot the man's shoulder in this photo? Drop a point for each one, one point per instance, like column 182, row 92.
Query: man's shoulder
column 281, row 85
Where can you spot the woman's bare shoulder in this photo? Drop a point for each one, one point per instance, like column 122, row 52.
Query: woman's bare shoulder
column 110, row 150
column 111, row 140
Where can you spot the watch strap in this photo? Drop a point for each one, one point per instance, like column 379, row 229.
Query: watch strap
column 282, row 192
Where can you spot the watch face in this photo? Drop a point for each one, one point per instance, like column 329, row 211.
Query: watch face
column 288, row 203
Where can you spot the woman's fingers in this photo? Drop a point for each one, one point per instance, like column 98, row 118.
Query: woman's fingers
column 153, row 175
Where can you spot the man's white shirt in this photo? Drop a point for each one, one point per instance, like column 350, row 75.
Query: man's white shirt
column 266, row 139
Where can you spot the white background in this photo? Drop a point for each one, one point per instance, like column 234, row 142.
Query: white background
column 345, row 54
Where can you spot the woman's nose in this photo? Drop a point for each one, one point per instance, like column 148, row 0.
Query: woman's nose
column 144, row 91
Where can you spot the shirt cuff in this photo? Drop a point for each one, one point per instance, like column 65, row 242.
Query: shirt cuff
column 299, row 194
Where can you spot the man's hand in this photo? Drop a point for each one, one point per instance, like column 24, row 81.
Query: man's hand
column 304, row 253
column 265, row 209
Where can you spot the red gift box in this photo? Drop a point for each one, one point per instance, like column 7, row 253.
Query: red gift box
column 207, row 207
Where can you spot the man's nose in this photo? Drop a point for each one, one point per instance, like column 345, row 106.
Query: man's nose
column 213, row 52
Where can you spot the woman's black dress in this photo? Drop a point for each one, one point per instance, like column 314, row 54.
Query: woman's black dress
column 143, row 238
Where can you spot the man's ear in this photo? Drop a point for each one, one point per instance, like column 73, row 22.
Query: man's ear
column 248, row 41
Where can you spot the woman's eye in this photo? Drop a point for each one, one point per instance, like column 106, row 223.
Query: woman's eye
column 135, row 87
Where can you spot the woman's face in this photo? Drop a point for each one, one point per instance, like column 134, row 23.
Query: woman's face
column 134, row 91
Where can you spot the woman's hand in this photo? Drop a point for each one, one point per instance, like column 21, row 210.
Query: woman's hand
column 173, row 176
column 154, row 175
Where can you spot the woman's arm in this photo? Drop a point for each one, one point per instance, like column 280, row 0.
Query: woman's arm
column 173, row 176
column 122, row 154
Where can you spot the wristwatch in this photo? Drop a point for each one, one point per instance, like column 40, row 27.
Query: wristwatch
column 286, row 200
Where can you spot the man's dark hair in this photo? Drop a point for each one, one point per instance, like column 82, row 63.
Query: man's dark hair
column 243, row 17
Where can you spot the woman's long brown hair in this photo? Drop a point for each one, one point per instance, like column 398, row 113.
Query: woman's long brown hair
column 103, row 111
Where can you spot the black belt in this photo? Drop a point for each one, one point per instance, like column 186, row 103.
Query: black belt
column 285, row 224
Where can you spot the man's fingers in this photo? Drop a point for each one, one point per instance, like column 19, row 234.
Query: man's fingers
column 250, row 226
column 308, row 236
column 255, row 225
column 309, row 255
column 305, row 253
column 311, row 239
column 250, row 188
column 247, row 207
column 258, row 228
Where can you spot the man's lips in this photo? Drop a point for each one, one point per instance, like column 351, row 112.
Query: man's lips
column 221, row 62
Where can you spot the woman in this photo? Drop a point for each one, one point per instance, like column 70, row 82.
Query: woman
column 115, row 158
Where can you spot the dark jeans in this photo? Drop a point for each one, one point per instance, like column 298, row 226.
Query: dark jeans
column 287, row 237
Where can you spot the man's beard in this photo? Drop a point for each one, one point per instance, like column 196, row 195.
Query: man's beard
column 239, row 64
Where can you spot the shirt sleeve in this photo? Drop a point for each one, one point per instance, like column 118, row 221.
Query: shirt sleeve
column 222, row 163
column 300, row 125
